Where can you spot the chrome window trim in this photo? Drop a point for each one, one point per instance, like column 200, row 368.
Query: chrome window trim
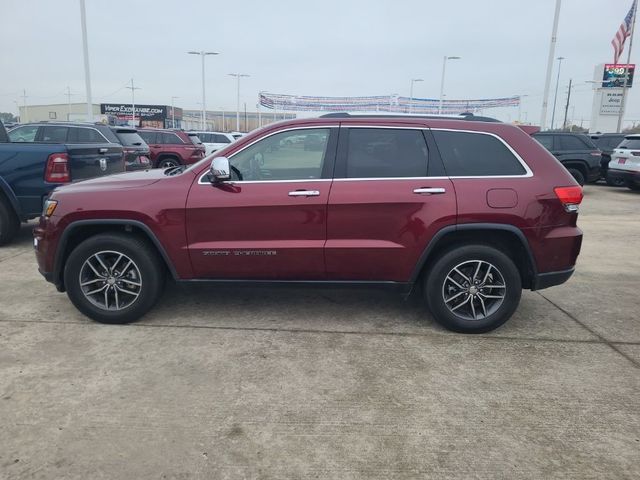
column 306, row 127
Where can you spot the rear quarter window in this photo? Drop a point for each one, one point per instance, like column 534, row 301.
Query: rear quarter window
column 475, row 154
column 630, row 143
column 571, row 142
column 85, row 135
column 54, row 134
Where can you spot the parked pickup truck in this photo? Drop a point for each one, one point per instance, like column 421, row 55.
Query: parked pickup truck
column 29, row 171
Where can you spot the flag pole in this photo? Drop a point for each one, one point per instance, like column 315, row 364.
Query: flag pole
column 626, row 70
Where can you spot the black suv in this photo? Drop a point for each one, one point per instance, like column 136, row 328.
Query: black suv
column 576, row 152
column 607, row 142
column 136, row 151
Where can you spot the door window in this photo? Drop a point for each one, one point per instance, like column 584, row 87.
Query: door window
column 170, row 139
column 24, row 134
column 148, row 137
column 292, row 155
column 475, row 154
column 54, row 134
column 386, row 153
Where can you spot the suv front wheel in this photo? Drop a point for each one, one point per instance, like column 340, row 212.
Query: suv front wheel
column 473, row 289
column 113, row 277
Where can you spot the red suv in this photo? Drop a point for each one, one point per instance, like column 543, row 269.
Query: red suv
column 469, row 212
column 170, row 148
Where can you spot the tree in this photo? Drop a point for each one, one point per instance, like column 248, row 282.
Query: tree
column 7, row 117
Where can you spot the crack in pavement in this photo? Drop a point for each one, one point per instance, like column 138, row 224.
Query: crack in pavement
column 603, row 340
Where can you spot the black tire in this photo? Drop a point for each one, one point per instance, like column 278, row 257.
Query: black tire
column 168, row 162
column 145, row 260
column 633, row 186
column 614, row 181
column 9, row 223
column 497, row 311
column 577, row 175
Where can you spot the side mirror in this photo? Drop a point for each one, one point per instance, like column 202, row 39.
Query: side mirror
column 219, row 170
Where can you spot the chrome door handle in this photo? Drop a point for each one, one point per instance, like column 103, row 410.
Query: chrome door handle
column 429, row 191
column 103, row 150
column 304, row 193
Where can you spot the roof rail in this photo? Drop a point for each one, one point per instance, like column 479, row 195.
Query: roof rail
column 463, row 116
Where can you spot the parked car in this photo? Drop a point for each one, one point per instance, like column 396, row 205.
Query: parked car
column 29, row 171
column 237, row 135
column 136, row 152
column 170, row 148
column 607, row 142
column 214, row 141
column 468, row 212
column 576, row 152
column 625, row 162
column 83, row 133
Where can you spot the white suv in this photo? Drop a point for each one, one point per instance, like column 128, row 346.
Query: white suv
column 214, row 141
column 625, row 162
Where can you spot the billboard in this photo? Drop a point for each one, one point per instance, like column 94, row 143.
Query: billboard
column 613, row 76
column 611, row 102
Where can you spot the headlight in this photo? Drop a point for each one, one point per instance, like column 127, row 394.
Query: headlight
column 49, row 207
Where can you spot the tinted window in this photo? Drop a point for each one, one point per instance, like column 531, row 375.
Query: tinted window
column 220, row 139
column 206, row 137
column 545, row 140
column 613, row 142
column 473, row 154
column 628, row 143
column 275, row 158
column 86, row 135
column 195, row 139
column 386, row 153
column 170, row 139
column 130, row 138
column 54, row 134
column 149, row 137
column 24, row 134
column 571, row 142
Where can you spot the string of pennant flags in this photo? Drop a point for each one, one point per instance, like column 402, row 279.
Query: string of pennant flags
column 382, row 103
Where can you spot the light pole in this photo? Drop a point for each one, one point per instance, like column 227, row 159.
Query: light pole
column 444, row 68
column 555, row 96
column 85, row 52
column 133, row 103
column 204, row 106
column 552, row 52
column 173, row 113
column 223, row 121
column 238, row 76
column 413, row 80
column 520, row 107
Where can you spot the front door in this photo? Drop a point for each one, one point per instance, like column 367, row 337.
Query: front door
column 389, row 197
column 269, row 221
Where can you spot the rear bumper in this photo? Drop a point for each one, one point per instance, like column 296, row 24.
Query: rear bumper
column 550, row 279
column 626, row 175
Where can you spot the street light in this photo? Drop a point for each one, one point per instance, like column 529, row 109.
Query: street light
column 173, row 113
column 444, row 68
column 555, row 97
column 204, row 107
column 238, row 76
column 413, row 80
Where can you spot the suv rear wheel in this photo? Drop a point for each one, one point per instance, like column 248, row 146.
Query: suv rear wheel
column 113, row 278
column 577, row 175
column 473, row 289
column 168, row 162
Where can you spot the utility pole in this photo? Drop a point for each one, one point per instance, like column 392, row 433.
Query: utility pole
column 24, row 103
column 85, row 51
column 555, row 97
column 444, row 68
column 552, row 52
column 133, row 103
column 245, row 117
column 238, row 76
column 173, row 113
column 566, row 107
column 413, row 80
column 623, row 103
column 223, row 122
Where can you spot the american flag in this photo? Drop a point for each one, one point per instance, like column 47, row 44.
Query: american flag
column 623, row 32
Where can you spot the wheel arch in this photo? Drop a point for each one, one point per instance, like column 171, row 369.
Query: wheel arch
column 7, row 195
column 508, row 238
column 80, row 230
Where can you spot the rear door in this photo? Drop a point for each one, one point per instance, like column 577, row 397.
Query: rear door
column 389, row 197
column 270, row 221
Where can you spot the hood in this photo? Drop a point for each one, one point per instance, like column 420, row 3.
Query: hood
column 118, row 181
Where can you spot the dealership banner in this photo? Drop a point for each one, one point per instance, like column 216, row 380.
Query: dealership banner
column 383, row 103
column 144, row 112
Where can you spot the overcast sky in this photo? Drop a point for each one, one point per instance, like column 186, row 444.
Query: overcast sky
column 329, row 47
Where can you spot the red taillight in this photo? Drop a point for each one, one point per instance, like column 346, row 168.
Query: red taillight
column 570, row 197
column 57, row 170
